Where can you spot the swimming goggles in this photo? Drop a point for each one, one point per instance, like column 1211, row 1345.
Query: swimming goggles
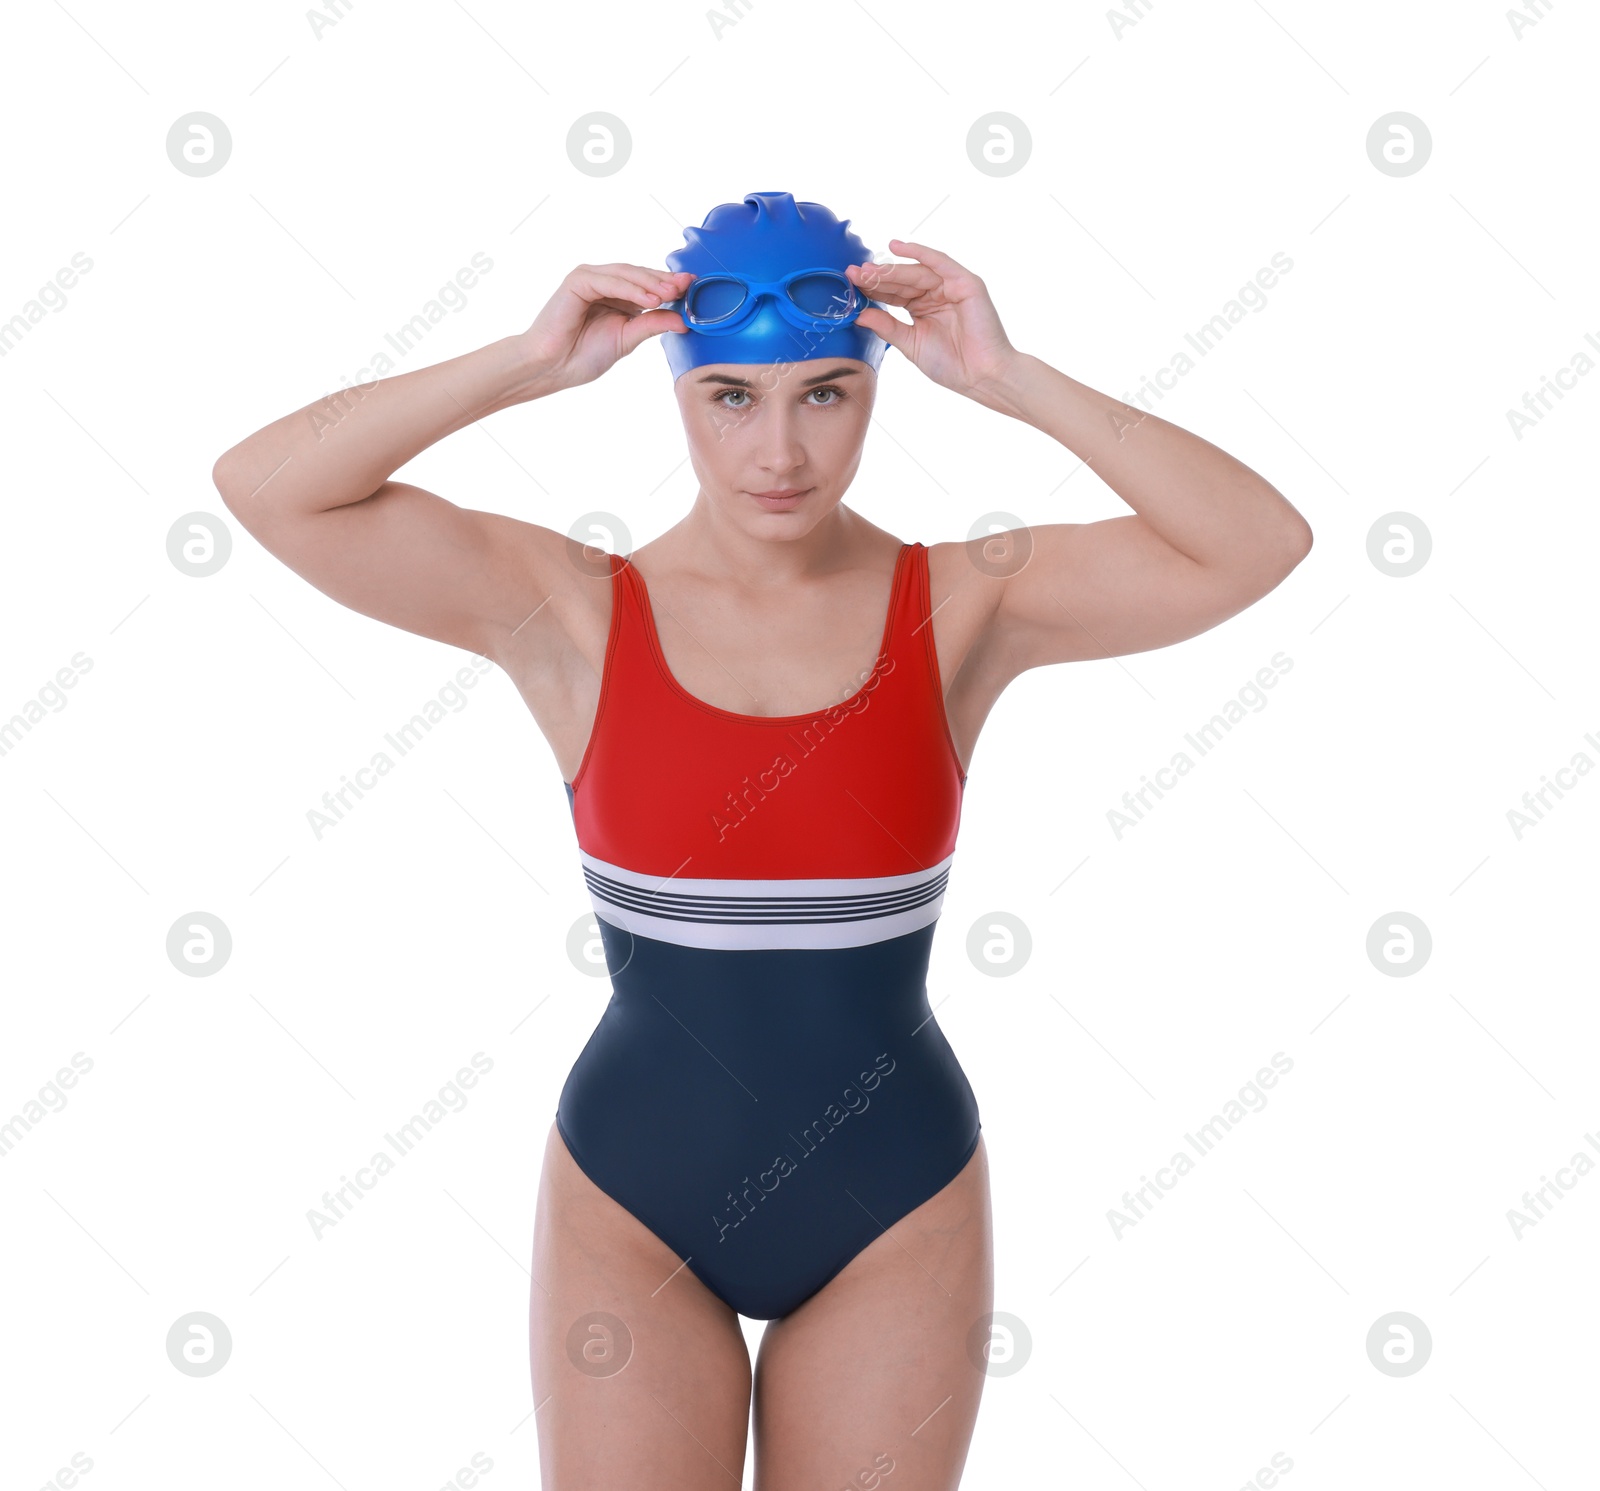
column 726, row 302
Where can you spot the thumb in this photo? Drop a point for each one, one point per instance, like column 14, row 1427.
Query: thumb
column 896, row 333
column 647, row 324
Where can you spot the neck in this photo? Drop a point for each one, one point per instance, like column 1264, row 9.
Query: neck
column 772, row 550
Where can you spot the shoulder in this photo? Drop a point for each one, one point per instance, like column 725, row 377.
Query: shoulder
column 965, row 584
column 969, row 574
column 564, row 613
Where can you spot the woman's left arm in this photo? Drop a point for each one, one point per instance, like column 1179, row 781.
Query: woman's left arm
column 1207, row 536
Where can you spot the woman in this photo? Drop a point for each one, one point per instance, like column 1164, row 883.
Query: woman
column 767, row 1120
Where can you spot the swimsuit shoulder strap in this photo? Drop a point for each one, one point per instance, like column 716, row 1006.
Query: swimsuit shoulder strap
column 912, row 632
column 626, row 664
column 912, row 646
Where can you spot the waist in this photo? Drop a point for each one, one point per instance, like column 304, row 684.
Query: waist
column 758, row 915
column 736, row 988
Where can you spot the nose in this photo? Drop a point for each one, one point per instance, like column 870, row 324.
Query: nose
column 780, row 450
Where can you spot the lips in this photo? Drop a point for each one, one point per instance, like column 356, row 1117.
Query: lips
column 782, row 493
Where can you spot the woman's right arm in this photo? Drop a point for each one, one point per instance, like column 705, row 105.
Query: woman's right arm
column 314, row 488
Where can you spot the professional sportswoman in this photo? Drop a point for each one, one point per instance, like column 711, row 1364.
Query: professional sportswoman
column 763, row 720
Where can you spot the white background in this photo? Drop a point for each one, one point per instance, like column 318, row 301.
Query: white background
column 1168, row 165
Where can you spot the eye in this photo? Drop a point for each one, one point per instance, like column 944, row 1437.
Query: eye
column 835, row 396
column 832, row 388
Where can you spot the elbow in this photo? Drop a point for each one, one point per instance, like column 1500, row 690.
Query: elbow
column 237, row 476
column 225, row 477
column 1274, row 560
column 1291, row 546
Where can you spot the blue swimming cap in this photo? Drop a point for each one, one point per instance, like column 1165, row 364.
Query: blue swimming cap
column 765, row 237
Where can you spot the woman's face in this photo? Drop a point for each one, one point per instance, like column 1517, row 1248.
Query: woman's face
column 757, row 428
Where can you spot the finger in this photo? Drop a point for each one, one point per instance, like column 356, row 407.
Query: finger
column 669, row 285
column 896, row 333
column 585, row 299
column 651, row 323
column 646, row 271
column 641, row 274
column 930, row 256
column 906, row 296
column 878, row 281
column 591, row 281
column 906, row 299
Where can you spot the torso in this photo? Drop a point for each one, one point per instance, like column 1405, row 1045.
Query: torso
column 790, row 654
column 766, row 869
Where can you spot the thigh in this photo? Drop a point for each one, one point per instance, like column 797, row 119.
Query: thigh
column 641, row 1376
column 870, row 1382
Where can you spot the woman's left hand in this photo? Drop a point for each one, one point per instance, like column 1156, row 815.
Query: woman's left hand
column 955, row 335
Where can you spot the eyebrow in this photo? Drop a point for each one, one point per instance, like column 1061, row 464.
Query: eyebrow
column 827, row 377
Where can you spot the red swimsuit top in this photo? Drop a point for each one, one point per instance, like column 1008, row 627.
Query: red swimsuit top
column 848, row 812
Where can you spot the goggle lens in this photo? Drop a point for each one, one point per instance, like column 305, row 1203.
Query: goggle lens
column 713, row 299
column 828, row 297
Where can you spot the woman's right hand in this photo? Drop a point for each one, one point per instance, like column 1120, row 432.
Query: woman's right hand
column 600, row 313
